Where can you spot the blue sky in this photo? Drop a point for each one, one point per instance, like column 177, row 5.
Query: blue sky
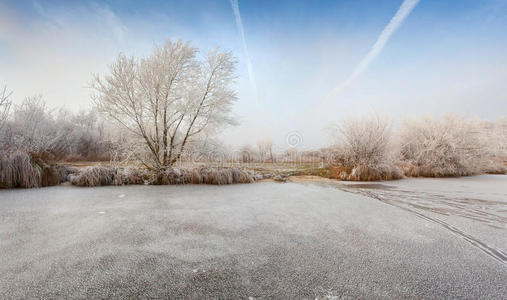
column 445, row 57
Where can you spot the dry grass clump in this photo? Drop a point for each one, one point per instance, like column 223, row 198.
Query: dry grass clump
column 221, row 176
column 18, row 170
column 204, row 175
column 496, row 167
column 365, row 151
column 95, row 176
column 169, row 176
column 216, row 176
column 101, row 175
column 22, row 170
column 131, row 175
column 373, row 173
column 445, row 147
column 242, row 176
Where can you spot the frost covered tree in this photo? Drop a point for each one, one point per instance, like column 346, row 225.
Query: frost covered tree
column 366, row 140
column 247, row 154
column 35, row 129
column 5, row 105
column 365, row 149
column 168, row 98
column 448, row 146
column 265, row 150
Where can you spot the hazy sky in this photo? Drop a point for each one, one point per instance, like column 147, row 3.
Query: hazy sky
column 302, row 64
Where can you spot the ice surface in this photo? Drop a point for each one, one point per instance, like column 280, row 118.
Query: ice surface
column 293, row 240
column 474, row 208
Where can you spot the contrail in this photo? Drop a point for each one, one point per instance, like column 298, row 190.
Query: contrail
column 239, row 25
column 406, row 7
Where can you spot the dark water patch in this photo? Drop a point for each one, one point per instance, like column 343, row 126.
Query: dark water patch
column 377, row 186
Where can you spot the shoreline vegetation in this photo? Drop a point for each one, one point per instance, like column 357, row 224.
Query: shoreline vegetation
column 156, row 120
column 366, row 149
column 25, row 173
column 39, row 149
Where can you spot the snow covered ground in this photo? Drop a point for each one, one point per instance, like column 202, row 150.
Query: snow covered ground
column 473, row 208
column 414, row 238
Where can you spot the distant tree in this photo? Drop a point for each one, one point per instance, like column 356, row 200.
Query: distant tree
column 291, row 155
column 269, row 146
column 265, row 150
column 247, row 154
column 168, row 98
column 5, row 105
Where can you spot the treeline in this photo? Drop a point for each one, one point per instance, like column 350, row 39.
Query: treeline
column 33, row 138
column 35, row 143
column 62, row 135
column 370, row 148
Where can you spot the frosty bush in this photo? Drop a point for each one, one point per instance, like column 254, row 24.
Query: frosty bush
column 365, row 149
column 33, row 128
column 439, row 147
column 109, row 175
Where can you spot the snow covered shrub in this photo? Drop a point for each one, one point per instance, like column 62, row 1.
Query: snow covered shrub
column 365, row 150
column 440, row 147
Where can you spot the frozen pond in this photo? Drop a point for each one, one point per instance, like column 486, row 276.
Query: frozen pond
column 473, row 208
column 414, row 238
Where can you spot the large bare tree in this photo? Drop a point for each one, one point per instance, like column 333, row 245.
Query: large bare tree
column 168, row 98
